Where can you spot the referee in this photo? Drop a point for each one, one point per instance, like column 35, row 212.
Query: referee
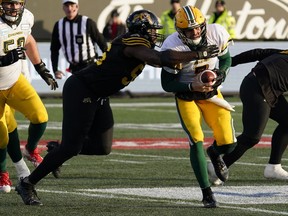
column 76, row 35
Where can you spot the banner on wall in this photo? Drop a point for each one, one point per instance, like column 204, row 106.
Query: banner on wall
column 255, row 20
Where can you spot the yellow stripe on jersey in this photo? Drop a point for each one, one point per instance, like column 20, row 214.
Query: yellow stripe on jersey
column 284, row 52
column 136, row 41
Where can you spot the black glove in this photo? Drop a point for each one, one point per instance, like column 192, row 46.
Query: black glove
column 45, row 75
column 221, row 76
column 209, row 51
column 12, row 56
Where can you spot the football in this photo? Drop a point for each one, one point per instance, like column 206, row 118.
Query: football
column 208, row 76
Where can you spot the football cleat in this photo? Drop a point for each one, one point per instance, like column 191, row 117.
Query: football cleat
column 275, row 171
column 27, row 193
column 33, row 156
column 209, row 201
column 220, row 167
column 214, row 180
column 50, row 146
column 5, row 183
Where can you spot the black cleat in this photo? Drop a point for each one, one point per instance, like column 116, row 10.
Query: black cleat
column 220, row 167
column 209, row 201
column 27, row 193
column 50, row 146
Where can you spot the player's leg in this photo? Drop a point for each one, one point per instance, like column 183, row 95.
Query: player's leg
column 190, row 118
column 99, row 139
column 5, row 183
column 77, row 120
column 255, row 115
column 279, row 113
column 219, row 119
column 13, row 146
column 79, row 107
column 26, row 100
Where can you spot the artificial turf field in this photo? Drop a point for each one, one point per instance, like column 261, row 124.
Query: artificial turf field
column 148, row 171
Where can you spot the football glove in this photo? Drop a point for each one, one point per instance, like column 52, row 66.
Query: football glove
column 221, row 76
column 209, row 51
column 12, row 56
column 45, row 75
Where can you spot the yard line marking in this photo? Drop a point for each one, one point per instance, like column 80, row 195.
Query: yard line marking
column 191, row 196
column 227, row 196
column 126, row 161
column 141, row 104
column 149, row 156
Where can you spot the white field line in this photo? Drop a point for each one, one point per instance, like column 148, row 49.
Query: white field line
column 226, row 196
column 160, row 157
column 152, row 104
column 126, row 161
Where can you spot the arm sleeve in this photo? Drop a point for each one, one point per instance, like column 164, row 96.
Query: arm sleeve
column 54, row 47
column 96, row 36
column 253, row 55
column 170, row 84
column 225, row 63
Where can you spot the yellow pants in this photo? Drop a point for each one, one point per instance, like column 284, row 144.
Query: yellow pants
column 191, row 114
column 23, row 98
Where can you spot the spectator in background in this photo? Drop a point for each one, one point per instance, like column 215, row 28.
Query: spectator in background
column 223, row 17
column 114, row 27
column 76, row 35
column 167, row 18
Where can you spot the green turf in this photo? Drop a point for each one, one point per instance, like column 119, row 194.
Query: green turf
column 149, row 169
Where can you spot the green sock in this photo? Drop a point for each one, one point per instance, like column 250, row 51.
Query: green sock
column 224, row 149
column 13, row 147
column 199, row 164
column 3, row 160
column 35, row 133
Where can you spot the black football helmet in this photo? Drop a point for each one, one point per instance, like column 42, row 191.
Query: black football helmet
column 10, row 15
column 145, row 23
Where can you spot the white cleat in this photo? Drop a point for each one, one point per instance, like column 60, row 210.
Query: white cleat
column 275, row 171
column 214, row 180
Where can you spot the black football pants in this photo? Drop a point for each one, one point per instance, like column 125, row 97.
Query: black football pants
column 255, row 115
column 87, row 128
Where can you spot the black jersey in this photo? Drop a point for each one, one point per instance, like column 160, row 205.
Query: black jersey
column 114, row 70
column 271, row 70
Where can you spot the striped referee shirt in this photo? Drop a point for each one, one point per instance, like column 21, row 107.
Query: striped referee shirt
column 77, row 40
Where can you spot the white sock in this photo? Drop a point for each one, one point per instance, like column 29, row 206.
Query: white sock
column 22, row 169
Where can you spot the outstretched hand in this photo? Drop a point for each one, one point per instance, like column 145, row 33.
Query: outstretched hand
column 45, row 75
column 209, row 51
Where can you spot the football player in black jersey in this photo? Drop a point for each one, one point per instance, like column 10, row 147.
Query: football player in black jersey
column 87, row 117
column 261, row 93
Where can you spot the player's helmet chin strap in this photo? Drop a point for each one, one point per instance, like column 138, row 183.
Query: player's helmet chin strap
column 12, row 20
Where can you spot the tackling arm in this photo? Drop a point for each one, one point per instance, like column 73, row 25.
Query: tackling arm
column 253, row 55
column 169, row 58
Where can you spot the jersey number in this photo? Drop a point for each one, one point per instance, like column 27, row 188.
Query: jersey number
column 20, row 42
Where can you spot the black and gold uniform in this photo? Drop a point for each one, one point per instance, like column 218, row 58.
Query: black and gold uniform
column 114, row 70
column 261, row 93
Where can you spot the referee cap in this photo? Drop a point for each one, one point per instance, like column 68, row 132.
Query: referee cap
column 71, row 1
